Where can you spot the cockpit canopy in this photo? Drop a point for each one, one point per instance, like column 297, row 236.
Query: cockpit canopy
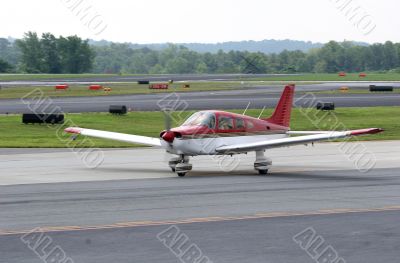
column 201, row 118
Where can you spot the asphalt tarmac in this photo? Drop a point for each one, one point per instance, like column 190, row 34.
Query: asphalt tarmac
column 258, row 97
column 117, row 211
column 152, row 78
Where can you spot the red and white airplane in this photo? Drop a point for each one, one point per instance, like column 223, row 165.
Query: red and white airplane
column 215, row 132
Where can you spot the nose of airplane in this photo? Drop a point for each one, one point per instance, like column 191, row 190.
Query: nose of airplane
column 168, row 136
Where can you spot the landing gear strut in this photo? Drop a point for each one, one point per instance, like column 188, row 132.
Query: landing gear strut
column 262, row 163
column 180, row 165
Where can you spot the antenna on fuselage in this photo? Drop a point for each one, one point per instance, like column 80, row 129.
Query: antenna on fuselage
column 262, row 111
column 248, row 105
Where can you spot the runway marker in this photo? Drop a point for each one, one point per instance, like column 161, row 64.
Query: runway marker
column 202, row 220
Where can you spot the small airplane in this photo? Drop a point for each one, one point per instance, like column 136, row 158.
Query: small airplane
column 214, row 132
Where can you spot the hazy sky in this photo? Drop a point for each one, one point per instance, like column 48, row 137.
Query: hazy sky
column 154, row 21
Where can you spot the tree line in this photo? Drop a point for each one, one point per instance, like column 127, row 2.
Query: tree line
column 330, row 58
column 49, row 54
column 46, row 54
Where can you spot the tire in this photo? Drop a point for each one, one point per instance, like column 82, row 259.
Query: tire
column 263, row 172
column 181, row 174
column 173, row 170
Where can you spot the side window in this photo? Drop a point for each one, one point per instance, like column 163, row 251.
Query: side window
column 239, row 124
column 250, row 125
column 211, row 122
column 225, row 123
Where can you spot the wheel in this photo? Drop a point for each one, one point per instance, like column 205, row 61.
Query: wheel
column 173, row 169
column 181, row 174
column 263, row 172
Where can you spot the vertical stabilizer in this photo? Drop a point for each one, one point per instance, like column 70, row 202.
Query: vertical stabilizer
column 283, row 110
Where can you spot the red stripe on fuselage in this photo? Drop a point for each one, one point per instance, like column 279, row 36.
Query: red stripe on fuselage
column 252, row 125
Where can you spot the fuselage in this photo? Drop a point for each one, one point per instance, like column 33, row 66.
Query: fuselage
column 205, row 131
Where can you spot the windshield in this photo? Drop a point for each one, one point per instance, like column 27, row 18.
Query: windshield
column 201, row 119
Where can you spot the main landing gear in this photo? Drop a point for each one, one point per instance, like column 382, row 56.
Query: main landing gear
column 262, row 163
column 180, row 165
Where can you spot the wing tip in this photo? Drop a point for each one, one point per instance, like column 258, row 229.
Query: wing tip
column 75, row 130
column 366, row 131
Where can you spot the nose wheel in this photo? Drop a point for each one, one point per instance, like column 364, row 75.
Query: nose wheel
column 263, row 172
column 180, row 165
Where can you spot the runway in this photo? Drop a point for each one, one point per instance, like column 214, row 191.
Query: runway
column 361, row 237
column 232, row 99
column 127, row 79
column 115, row 211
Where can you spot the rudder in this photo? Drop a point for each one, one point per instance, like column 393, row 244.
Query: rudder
column 283, row 110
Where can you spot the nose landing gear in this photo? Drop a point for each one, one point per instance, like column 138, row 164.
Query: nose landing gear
column 180, row 165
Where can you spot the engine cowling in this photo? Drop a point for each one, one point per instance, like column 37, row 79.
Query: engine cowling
column 169, row 136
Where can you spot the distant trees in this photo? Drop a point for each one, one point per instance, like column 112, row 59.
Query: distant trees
column 330, row 58
column 5, row 67
column 32, row 53
column 9, row 53
column 49, row 54
column 76, row 56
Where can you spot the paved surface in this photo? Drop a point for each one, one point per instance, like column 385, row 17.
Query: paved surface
column 362, row 237
column 119, row 79
column 114, row 212
column 233, row 99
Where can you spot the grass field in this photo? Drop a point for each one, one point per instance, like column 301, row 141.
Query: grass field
column 15, row 77
column 15, row 134
column 134, row 88
column 117, row 89
column 354, row 91
column 333, row 77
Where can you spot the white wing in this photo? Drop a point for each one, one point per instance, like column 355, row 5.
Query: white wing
column 307, row 132
column 267, row 144
column 115, row 136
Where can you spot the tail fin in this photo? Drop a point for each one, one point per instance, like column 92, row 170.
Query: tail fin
column 281, row 115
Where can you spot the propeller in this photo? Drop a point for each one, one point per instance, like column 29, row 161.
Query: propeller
column 167, row 135
column 167, row 120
